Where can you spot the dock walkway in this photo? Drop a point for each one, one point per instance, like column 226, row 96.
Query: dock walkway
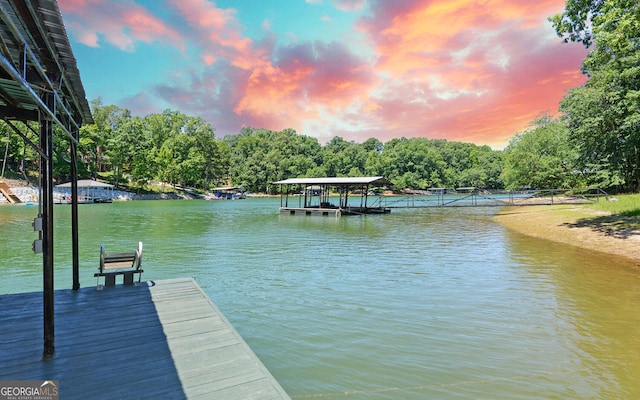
column 164, row 339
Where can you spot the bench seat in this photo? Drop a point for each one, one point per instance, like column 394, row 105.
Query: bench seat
column 126, row 264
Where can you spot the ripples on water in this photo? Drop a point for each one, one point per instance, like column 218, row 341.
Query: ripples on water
column 430, row 303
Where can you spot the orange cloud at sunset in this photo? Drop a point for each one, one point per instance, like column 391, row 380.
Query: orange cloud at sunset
column 463, row 70
column 485, row 70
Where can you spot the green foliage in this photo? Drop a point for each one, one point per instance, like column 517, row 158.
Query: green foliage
column 573, row 24
column 595, row 143
column 180, row 150
column 18, row 157
column 628, row 205
column 603, row 116
column 541, row 158
column 259, row 157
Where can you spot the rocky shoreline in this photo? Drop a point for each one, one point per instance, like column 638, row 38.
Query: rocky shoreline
column 27, row 193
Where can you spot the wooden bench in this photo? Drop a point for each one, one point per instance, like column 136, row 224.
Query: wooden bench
column 125, row 264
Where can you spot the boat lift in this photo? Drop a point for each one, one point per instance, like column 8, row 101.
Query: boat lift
column 313, row 195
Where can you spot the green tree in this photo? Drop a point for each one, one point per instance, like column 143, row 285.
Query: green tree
column 88, row 153
column 119, row 145
column 212, row 160
column 412, row 163
column 603, row 116
column 260, row 157
column 573, row 24
column 541, row 157
column 18, row 156
column 138, row 150
column 335, row 157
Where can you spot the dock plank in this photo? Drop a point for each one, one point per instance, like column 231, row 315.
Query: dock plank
column 164, row 339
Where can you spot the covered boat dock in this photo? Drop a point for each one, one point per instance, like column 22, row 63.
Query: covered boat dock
column 317, row 196
column 90, row 191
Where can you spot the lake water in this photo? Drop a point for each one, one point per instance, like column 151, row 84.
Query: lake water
column 420, row 303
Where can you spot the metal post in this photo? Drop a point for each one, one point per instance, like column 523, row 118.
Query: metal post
column 74, row 216
column 366, row 196
column 46, row 182
column 305, row 197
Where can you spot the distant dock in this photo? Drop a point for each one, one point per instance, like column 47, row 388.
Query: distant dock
column 313, row 196
column 164, row 339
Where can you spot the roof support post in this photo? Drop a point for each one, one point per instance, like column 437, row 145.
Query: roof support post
column 46, row 185
column 366, row 195
column 74, row 215
column 306, row 190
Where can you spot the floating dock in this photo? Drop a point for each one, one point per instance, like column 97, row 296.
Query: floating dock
column 313, row 195
column 335, row 212
column 163, row 339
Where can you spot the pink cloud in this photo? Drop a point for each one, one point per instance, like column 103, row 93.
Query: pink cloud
column 121, row 23
column 308, row 79
column 480, row 74
column 458, row 69
column 277, row 87
column 349, row 5
column 477, row 72
column 217, row 33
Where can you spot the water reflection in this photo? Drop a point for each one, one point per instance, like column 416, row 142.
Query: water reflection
column 436, row 303
column 597, row 298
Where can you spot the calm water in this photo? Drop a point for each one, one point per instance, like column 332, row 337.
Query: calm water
column 427, row 303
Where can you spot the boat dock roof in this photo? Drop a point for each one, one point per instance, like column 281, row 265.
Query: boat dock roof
column 164, row 339
column 362, row 180
column 316, row 198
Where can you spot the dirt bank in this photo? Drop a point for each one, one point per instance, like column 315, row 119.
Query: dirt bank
column 578, row 226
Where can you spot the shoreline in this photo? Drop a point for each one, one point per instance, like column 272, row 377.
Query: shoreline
column 568, row 224
column 28, row 193
column 577, row 226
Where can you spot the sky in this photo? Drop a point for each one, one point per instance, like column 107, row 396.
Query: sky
column 475, row 71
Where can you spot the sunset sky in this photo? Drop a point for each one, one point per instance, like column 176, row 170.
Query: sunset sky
column 463, row 70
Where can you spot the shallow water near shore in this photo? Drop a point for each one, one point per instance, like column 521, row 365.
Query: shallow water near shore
column 421, row 303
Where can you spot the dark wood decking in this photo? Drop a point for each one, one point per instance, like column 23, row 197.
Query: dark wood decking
column 161, row 340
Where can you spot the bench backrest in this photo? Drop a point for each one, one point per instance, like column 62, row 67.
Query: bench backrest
column 120, row 260
column 101, row 268
column 138, row 261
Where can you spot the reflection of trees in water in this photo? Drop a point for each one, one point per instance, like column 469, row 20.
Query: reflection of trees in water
column 597, row 297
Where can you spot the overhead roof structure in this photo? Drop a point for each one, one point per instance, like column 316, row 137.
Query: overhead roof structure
column 40, row 82
column 36, row 58
column 315, row 198
column 364, row 180
column 87, row 183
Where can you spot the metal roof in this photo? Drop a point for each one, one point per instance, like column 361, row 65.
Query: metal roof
column 36, row 59
column 215, row 189
column 86, row 183
column 363, row 180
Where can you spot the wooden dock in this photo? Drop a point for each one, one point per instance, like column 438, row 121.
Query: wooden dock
column 334, row 212
column 164, row 339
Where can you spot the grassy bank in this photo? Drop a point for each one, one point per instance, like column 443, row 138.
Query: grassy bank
column 625, row 205
column 607, row 226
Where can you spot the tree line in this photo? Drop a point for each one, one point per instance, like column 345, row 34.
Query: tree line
column 594, row 142
column 180, row 150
